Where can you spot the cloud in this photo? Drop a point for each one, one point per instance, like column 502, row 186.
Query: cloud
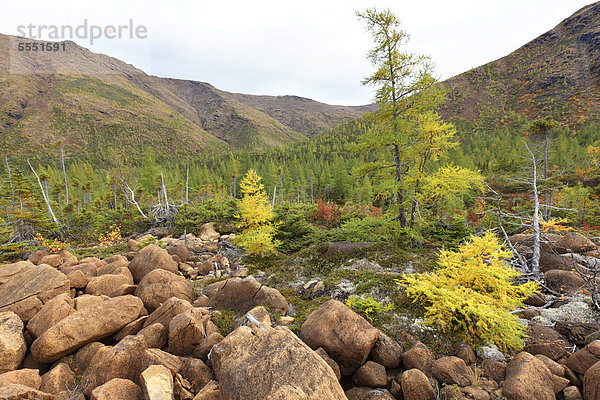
column 312, row 48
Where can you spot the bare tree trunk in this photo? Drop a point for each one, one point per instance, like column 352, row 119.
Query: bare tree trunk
column 400, row 192
column 274, row 194
column 44, row 194
column 535, row 260
column 12, row 189
column 187, row 179
column 133, row 201
column 62, row 158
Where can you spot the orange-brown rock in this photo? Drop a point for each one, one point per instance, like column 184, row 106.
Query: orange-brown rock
column 150, row 258
column 117, row 389
column 346, row 336
column 416, row 386
column 12, row 342
column 528, row 378
column 159, row 285
column 265, row 362
column 52, row 312
column 85, row 326
column 27, row 377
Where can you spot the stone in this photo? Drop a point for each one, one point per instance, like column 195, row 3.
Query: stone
column 159, row 285
column 155, row 335
column 370, row 374
column 591, row 383
column 545, row 340
column 80, row 360
column 169, row 309
column 123, row 290
column 179, row 250
column 117, row 389
column 264, row 362
column 203, row 348
column 131, row 328
column 330, row 361
column 36, row 256
column 583, row 359
column 159, row 357
column 574, row 242
column 106, row 284
column 416, row 385
column 20, row 392
column 452, row 371
column 186, row 330
column 490, row 352
column 550, row 261
column 77, row 279
column 26, row 308
column 208, row 232
column 157, row 383
column 346, row 336
column 210, row 391
column 464, row 351
column 150, row 258
column 576, row 332
column 22, row 280
column 85, row 326
column 59, row 378
column 572, row 393
column 527, row 378
column 52, row 312
column 475, row 393
column 418, row 357
column 53, row 260
column 344, row 248
column 27, row 377
column 113, row 265
column 242, row 295
column 553, row 366
column 564, row 281
column 120, row 361
column 86, row 300
column 387, row 352
column 12, row 342
column 367, row 393
column 196, row 372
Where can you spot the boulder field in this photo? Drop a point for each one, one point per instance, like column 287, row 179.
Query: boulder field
column 134, row 326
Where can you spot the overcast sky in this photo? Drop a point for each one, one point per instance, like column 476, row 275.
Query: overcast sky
column 310, row 48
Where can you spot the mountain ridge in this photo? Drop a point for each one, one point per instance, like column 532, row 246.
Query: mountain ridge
column 70, row 96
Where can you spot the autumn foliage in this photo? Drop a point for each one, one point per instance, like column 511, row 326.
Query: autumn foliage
column 472, row 293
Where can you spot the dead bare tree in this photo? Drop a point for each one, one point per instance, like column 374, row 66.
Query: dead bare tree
column 45, row 196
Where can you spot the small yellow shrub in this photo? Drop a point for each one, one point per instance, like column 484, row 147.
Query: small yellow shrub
column 472, row 293
column 255, row 215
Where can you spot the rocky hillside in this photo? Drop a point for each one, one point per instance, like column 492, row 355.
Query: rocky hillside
column 92, row 103
column 557, row 73
column 188, row 322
